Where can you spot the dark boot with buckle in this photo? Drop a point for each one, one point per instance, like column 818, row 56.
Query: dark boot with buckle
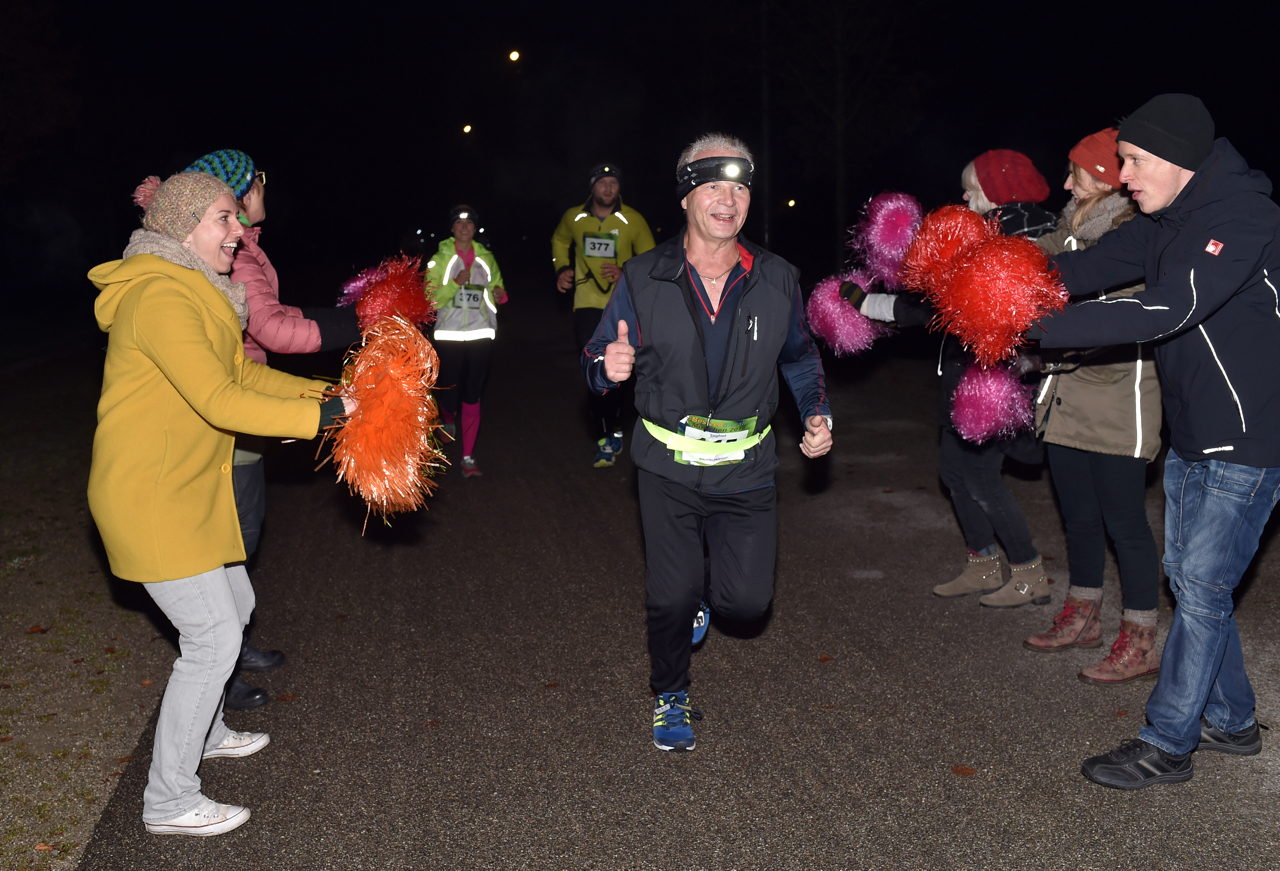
column 1027, row 585
column 981, row 575
column 1076, row 626
column 1132, row 657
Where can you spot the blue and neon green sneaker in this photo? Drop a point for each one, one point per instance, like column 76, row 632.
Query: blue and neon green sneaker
column 605, row 456
column 672, row 726
column 700, row 621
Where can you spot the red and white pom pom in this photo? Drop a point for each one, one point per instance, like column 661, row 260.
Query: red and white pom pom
column 384, row 449
column 990, row 403
column 145, row 192
column 945, row 236
column 994, row 293
column 885, row 234
column 393, row 287
column 836, row 321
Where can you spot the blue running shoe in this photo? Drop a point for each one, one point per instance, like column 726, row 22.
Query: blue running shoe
column 672, row 726
column 700, row 621
column 605, row 457
column 615, row 442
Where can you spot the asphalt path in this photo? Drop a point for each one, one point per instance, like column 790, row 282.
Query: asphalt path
column 468, row 688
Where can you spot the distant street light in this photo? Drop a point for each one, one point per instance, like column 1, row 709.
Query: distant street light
column 789, row 202
column 466, row 128
column 515, row 55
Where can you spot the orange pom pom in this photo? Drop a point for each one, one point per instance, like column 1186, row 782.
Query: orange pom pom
column 384, row 449
column 396, row 289
column 994, row 293
column 945, row 235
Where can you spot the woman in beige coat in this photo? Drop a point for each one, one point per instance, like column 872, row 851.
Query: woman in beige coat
column 176, row 386
column 1099, row 411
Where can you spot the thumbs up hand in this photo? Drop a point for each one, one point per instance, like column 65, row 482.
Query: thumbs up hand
column 619, row 356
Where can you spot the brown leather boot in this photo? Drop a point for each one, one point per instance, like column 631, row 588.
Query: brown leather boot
column 982, row 575
column 1027, row 584
column 1076, row 626
column 1132, row 657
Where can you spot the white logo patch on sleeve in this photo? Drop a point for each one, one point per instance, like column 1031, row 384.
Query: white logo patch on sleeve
column 1214, row 247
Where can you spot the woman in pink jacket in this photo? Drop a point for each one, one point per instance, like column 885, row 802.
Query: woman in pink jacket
column 274, row 327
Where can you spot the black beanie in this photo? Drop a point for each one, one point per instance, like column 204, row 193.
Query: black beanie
column 603, row 170
column 1175, row 127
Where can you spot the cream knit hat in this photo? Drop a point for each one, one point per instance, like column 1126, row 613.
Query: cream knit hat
column 178, row 204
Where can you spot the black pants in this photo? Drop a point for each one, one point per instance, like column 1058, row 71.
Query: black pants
column 606, row 411
column 250, row 485
column 1103, row 491
column 984, row 507
column 463, row 368
column 737, row 534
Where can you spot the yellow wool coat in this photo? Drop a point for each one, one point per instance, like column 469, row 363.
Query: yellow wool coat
column 176, row 387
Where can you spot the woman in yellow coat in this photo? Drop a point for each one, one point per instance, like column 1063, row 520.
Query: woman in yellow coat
column 176, row 386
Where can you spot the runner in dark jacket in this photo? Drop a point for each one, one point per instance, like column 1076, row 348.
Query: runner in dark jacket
column 1206, row 249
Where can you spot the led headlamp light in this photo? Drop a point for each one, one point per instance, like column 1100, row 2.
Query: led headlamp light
column 738, row 170
column 463, row 215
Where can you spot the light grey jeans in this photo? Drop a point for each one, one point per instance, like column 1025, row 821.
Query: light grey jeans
column 210, row 612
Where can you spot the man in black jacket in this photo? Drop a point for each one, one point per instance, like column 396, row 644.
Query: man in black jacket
column 1205, row 249
column 704, row 322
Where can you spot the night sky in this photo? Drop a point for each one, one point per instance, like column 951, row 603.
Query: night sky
column 357, row 115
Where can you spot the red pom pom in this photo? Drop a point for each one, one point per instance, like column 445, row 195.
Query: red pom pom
column 396, row 288
column 945, row 235
column 993, row 294
column 145, row 192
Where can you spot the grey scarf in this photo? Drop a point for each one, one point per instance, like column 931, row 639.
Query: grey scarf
column 170, row 249
column 1100, row 217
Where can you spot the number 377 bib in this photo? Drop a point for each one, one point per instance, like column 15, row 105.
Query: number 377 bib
column 599, row 245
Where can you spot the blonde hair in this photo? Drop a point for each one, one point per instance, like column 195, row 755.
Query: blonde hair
column 978, row 201
column 1087, row 203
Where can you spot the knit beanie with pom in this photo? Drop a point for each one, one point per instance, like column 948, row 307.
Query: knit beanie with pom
column 236, row 168
column 1009, row 177
column 176, row 206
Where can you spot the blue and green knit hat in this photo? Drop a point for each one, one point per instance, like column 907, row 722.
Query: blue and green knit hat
column 236, row 168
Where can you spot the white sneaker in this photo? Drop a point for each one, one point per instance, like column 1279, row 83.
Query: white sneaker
column 238, row 744
column 209, row 818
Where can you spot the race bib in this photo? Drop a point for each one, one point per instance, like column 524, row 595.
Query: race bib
column 714, row 432
column 599, row 245
column 469, row 296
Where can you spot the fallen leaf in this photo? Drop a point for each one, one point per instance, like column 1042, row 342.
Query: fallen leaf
column 828, row 707
column 77, row 661
column 6, row 686
column 101, row 671
column 286, row 697
column 431, row 722
column 6, row 738
column 963, row 771
column 108, row 650
column 34, row 629
column 42, row 846
column 123, row 759
column 1049, row 558
column 116, row 774
column 147, row 683
column 1122, row 713
column 888, row 489
column 1052, row 581
column 339, row 616
column 824, row 658
column 551, row 685
column 155, row 638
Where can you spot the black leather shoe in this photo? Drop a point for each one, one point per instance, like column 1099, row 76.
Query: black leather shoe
column 253, row 659
column 241, row 695
column 1246, row 743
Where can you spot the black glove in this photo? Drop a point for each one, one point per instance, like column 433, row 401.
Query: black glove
column 338, row 326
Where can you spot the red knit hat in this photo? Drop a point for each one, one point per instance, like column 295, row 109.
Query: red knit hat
column 1096, row 155
column 1009, row 177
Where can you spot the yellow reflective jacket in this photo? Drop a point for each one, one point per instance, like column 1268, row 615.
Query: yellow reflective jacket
column 616, row 239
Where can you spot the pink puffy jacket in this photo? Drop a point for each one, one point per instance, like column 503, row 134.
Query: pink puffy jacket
column 272, row 326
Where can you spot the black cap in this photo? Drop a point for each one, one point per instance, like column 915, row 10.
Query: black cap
column 604, row 170
column 459, row 213
column 1175, row 127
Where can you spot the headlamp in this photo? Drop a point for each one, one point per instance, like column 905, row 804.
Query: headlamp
column 732, row 169
column 463, row 215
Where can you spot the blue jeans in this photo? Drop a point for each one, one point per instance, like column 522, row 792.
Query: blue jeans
column 1214, row 515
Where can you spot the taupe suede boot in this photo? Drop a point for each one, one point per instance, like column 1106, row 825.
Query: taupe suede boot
column 1076, row 626
column 1027, row 585
column 1132, row 657
column 981, row 575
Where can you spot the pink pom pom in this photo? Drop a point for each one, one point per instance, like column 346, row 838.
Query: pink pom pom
column 885, row 234
column 143, row 193
column 834, row 319
column 993, row 294
column 354, row 288
column 990, row 403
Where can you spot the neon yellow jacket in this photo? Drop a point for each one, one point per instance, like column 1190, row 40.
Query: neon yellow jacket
column 630, row 236
column 459, row 320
